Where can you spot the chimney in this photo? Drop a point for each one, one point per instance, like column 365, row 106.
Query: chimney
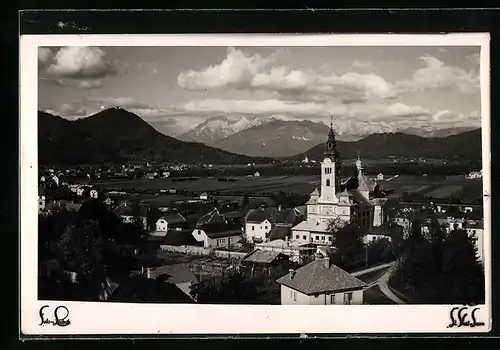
column 148, row 273
column 327, row 261
column 292, row 273
column 286, row 238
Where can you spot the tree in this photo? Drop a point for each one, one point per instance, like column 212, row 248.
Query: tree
column 232, row 289
column 81, row 247
column 347, row 241
column 462, row 273
column 245, row 201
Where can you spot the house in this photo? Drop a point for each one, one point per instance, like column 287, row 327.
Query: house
column 151, row 176
column 108, row 201
column 126, row 212
column 377, row 233
column 256, row 174
column 259, row 222
column 41, row 198
column 81, row 191
column 321, row 283
column 380, row 177
column 179, row 275
column 94, row 193
column 204, row 196
column 218, row 235
column 140, row 289
column 296, row 251
column 170, row 221
column 402, row 219
column 166, row 174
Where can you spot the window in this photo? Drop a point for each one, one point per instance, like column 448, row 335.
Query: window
column 253, row 228
column 317, row 238
column 304, row 237
column 347, row 298
column 322, row 238
column 294, row 296
column 328, row 182
column 297, row 236
column 265, row 227
column 330, row 238
column 332, row 299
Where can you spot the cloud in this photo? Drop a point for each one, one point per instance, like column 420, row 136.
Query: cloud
column 349, row 119
column 437, row 75
column 45, row 56
column 82, row 67
column 362, row 64
column 254, row 72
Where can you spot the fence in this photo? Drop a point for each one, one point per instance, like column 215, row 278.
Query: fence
column 183, row 249
column 192, row 250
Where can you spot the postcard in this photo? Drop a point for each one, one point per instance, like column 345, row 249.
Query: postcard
column 255, row 184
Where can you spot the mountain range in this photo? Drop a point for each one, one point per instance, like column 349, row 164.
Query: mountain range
column 284, row 137
column 463, row 146
column 116, row 136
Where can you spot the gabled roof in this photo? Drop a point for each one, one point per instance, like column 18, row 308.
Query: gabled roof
column 279, row 232
column 177, row 273
column 173, row 218
column 315, row 192
column 262, row 256
column 359, row 198
column 221, row 230
column 312, row 226
column 320, row 276
column 274, row 215
column 177, row 238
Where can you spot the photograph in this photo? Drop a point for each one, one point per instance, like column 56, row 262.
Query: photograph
column 346, row 173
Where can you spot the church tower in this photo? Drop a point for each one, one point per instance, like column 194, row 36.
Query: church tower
column 330, row 169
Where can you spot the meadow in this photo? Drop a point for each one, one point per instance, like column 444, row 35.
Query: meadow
column 437, row 187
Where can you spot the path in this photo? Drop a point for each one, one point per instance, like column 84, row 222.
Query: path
column 371, row 269
column 384, row 287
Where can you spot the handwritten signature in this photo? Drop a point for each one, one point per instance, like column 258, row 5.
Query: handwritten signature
column 61, row 314
column 460, row 317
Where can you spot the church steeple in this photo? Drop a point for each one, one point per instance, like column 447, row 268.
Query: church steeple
column 331, row 144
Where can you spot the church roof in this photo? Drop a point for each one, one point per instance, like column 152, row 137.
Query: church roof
column 315, row 192
column 359, row 198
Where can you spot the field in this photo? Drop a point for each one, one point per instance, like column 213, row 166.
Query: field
column 437, row 187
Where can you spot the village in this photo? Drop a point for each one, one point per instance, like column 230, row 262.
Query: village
column 279, row 253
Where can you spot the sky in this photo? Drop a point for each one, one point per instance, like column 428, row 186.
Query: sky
column 365, row 89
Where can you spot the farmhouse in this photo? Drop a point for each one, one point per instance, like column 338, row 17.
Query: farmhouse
column 172, row 220
column 204, row 196
column 218, row 235
column 321, row 283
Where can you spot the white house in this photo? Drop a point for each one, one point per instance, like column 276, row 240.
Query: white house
column 259, row 222
column 108, row 201
column 218, row 235
column 168, row 221
column 166, row 174
column 80, row 191
column 321, row 283
column 380, row 177
column 256, row 174
column 204, row 196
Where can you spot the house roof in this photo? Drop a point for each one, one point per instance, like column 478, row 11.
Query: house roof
column 173, row 218
column 321, row 276
column 177, row 238
column 69, row 205
column 221, row 230
column 274, row 215
column 315, row 192
column 473, row 224
column 311, row 226
column 278, row 232
column 359, row 198
column 262, row 256
column 177, row 273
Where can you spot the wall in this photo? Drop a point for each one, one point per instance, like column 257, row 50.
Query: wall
column 287, row 297
column 257, row 230
column 229, row 254
column 303, row 236
column 220, row 242
column 185, row 249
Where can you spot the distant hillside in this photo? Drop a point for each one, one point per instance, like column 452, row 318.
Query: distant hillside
column 116, row 136
column 466, row 145
column 277, row 138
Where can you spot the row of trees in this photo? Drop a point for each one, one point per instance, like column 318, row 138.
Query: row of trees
column 93, row 242
column 444, row 269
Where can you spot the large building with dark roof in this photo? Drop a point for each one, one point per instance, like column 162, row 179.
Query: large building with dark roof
column 321, row 283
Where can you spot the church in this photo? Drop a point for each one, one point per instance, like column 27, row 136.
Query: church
column 353, row 200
